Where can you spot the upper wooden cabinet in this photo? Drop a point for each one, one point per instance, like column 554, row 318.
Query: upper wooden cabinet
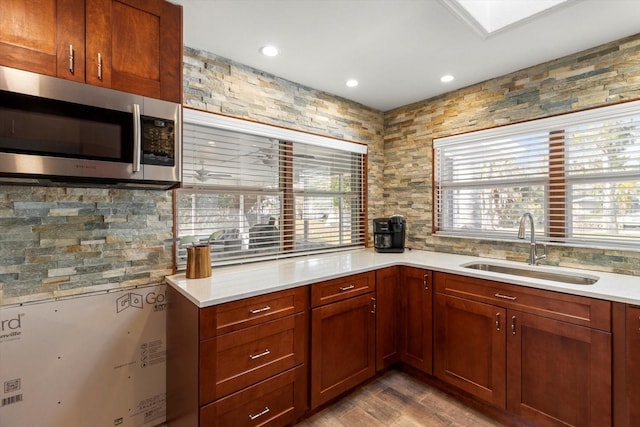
column 129, row 45
column 43, row 36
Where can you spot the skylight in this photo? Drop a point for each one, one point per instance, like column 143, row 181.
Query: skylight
column 489, row 16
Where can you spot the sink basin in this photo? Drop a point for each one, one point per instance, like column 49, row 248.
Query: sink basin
column 535, row 273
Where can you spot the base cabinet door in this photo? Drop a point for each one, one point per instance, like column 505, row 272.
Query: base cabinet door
column 342, row 347
column 416, row 337
column 387, row 318
column 633, row 363
column 470, row 347
column 558, row 374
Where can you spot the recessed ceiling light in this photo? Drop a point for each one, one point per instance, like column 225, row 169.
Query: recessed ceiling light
column 446, row 78
column 269, row 50
column 352, row 83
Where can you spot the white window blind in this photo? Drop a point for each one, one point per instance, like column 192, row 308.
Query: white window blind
column 251, row 196
column 578, row 175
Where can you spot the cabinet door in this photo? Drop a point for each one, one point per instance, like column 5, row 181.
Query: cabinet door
column 470, row 347
column 417, row 318
column 43, row 36
column 135, row 46
column 342, row 347
column 387, row 319
column 633, row 362
column 558, row 373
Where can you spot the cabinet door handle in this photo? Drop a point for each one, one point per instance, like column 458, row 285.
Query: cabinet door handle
column 639, row 323
column 99, row 66
column 373, row 305
column 259, row 355
column 513, row 325
column 497, row 321
column 259, row 414
column 346, row 288
column 71, row 60
column 137, row 137
column 425, row 278
column 260, row 310
column 510, row 298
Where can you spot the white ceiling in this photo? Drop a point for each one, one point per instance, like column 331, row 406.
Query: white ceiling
column 396, row 49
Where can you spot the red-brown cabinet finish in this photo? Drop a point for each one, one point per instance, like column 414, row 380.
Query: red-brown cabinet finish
column 239, row 363
column 416, row 301
column 555, row 349
column 43, row 36
column 130, row 45
column 342, row 346
column 387, row 317
column 633, row 363
column 558, row 373
column 135, row 46
column 470, row 347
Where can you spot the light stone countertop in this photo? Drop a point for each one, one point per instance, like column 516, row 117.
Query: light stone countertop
column 241, row 281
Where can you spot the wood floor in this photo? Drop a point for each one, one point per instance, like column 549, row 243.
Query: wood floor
column 396, row 399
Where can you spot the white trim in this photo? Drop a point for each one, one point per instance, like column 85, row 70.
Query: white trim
column 268, row 131
column 542, row 125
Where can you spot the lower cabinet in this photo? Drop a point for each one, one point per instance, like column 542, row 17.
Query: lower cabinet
column 541, row 355
column 633, row 364
column 271, row 402
column 470, row 347
column 387, row 317
column 416, row 318
column 342, row 336
column 241, row 363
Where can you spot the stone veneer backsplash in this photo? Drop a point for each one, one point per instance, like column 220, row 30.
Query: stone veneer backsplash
column 65, row 241
column 219, row 85
column 602, row 75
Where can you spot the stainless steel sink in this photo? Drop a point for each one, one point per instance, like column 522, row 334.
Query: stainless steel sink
column 535, row 273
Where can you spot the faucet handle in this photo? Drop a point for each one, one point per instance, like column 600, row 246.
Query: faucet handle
column 544, row 252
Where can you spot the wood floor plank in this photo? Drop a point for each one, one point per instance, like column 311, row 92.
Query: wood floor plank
column 396, row 399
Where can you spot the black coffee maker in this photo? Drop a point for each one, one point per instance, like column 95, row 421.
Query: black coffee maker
column 388, row 234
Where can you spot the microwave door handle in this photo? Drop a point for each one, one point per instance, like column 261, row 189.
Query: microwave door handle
column 137, row 137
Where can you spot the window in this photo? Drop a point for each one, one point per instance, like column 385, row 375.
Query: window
column 253, row 191
column 578, row 175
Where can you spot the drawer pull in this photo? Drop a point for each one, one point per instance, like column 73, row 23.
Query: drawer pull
column 346, row 288
column 510, row 298
column 260, row 310
column 259, row 414
column 259, row 355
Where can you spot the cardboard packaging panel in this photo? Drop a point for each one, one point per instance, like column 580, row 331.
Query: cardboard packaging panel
column 94, row 360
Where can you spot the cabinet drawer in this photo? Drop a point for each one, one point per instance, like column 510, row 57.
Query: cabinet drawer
column 342, row 288
column 575, row 309
column 240, row 314
column 238, row 359
column 278, row 401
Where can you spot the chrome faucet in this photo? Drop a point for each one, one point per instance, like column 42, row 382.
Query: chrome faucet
column 533, row 257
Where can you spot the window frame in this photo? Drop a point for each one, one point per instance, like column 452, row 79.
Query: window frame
column 286, row 140
column 558, row 183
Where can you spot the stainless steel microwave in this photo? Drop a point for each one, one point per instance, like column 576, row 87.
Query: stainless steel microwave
column 59, row 132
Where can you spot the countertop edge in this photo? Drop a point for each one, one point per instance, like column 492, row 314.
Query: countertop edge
column 232, row 283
